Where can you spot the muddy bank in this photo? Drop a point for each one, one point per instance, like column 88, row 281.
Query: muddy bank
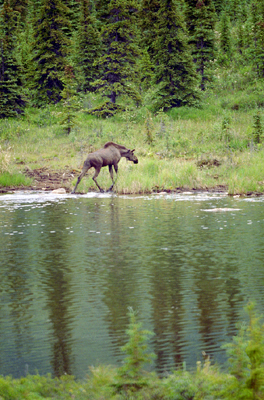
column 46, row 179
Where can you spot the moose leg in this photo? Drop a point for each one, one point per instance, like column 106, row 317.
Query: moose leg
column 112, row 176
column 84, row 170
column 97, row 170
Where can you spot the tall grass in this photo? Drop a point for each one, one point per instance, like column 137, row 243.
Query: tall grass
column 14, row 180
column 248, row 175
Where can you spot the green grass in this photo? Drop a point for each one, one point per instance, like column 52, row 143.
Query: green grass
column 15, row 179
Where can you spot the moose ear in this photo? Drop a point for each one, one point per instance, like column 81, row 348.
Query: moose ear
column 132, row 151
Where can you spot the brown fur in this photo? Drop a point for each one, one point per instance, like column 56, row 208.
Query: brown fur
column 109, row 155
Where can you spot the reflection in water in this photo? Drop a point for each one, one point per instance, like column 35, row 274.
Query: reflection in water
column 58, row 297
column 19, row 303
column 233, row 293
column 57, row 286
column 167, row 312
column 71, row 267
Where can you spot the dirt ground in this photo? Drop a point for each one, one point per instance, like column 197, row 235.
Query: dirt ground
column 46, row 179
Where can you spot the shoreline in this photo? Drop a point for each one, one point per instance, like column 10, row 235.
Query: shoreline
column 46, row 180
column 221, row 190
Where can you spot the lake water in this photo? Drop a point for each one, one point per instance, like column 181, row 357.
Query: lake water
column 72, row 265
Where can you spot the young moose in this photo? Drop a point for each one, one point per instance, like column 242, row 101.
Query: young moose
column 109, row 155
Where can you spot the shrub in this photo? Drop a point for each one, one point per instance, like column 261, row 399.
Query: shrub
column 247, row 360
column 131, row 377
column 257, row 129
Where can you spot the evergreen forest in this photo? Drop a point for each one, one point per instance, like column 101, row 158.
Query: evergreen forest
column 144, row 62
column 124, row 49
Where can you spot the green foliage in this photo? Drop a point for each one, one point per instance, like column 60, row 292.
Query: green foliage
column 225, row 37
column 74, row 15
column 146, row 68
column 4, row 159
column 245, row 380
column 12, row 102
column 148, row 19
column 218, row 4
column 70, row 100
column 107, row 109
column 175, row 73
column 257, row 129
column 247, row 360
column 203, row 19
column 118, row 62
column 149, row 128
column 88, row 48
column 130, row 377
column 259, row 43
column 225, row 133
column 49, row 51
column 12, row 180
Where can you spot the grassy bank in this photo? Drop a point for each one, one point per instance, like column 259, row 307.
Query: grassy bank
column 245, row 379
column 189, row 148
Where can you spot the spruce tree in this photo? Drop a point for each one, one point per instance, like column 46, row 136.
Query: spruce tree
column 88, row 48
column 202, row 19
column 174, row 68
column 146, row 69
column 218, row 4
column 148, row 20
column 118, row 62
column 70, row 100
column 12, row 102
column 102, row 11
column 225, row 35
column 242, row 29
column 73, row 14
column 259, row 44
column 50, row 48
column 21, row 6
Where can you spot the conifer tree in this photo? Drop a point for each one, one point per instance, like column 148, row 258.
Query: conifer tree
column 70, row 100
column 102, row 13
column 74, row 14
column 174, row 68
column 148, row 19
column 146, row 69
column 118, row 62
column 202, row 19
column 49, row 49
column 242, row 29
column 218, row 4
column 21, row 6
column 11, row 98
column 130, row 377
column 34, row 7
column 259, row 44
column 88, row 45
column 225, row 35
